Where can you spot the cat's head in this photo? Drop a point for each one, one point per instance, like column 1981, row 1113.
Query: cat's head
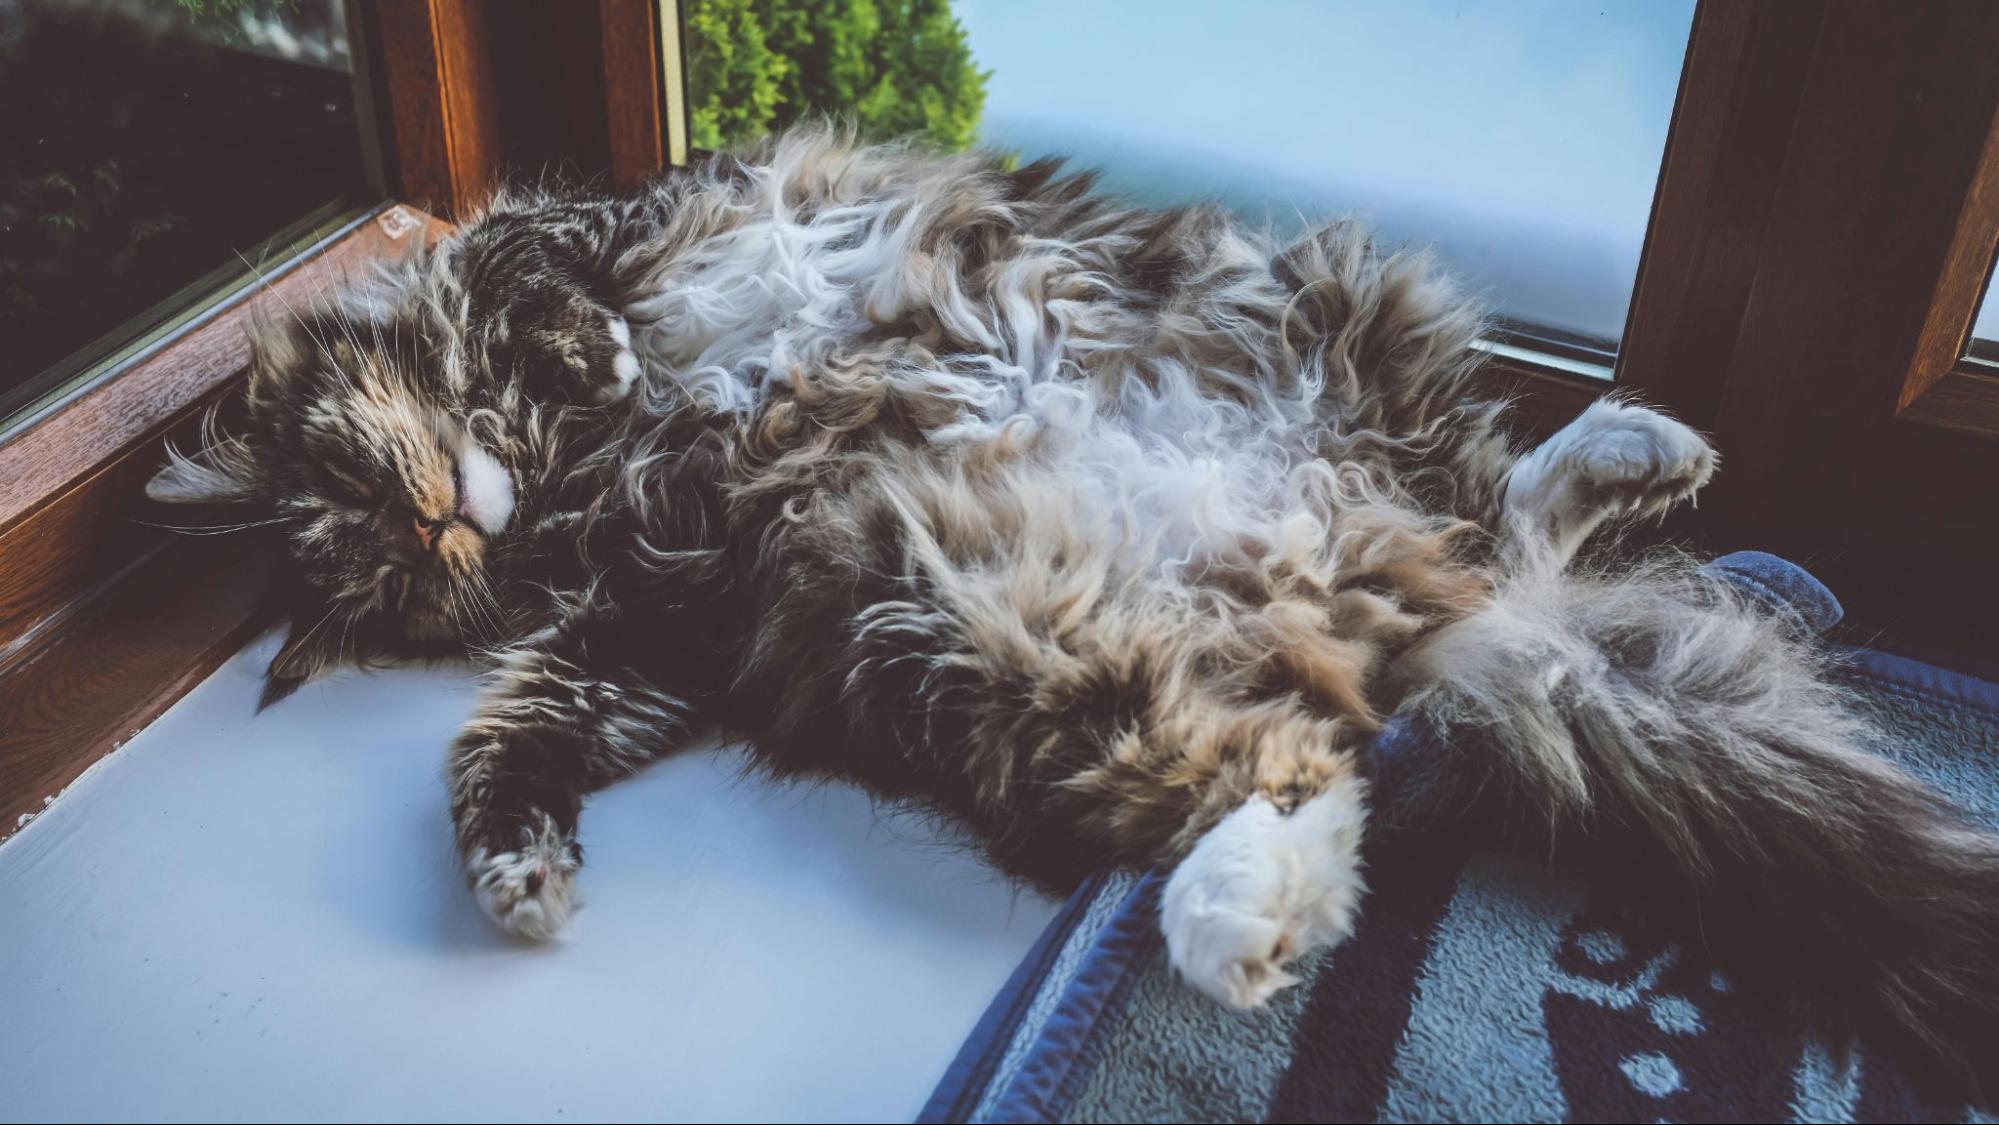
column 355, row 446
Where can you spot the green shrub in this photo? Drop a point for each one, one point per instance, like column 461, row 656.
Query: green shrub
column 892, row 67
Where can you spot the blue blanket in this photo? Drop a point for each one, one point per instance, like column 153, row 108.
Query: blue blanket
column 1474, row 989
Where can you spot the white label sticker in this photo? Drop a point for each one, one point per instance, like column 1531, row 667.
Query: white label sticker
column 397, row 222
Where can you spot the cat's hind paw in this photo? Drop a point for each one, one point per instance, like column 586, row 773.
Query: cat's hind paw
column 529, row 893
column 1638, row 459
column 1261, row 889
column 1616, row 459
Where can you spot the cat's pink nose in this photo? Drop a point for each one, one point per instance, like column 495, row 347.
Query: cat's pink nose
column 426, row 534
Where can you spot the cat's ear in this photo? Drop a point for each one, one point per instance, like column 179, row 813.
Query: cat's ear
column 310, row 651
column 221, row 473
column 277, row 351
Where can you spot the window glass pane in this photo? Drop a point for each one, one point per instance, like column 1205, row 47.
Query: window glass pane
column 1985, row 329
column 1519, row 138
column 148, row 148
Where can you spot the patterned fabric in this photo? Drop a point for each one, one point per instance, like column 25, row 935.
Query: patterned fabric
column 1475, row 989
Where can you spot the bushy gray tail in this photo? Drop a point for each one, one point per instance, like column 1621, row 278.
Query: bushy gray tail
column 1698, row 749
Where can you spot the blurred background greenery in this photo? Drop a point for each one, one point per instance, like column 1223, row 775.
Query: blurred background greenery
column 892, row 67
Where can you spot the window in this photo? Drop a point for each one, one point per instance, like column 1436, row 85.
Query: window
column 1521, row 140
column 153, row 157
column 1985, row 326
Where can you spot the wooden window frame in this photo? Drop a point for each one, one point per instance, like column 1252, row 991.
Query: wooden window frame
column 1945, row 385
column 1822, row 230
column 106, row 617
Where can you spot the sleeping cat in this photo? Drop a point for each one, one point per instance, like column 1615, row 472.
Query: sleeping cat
column 1116, row 534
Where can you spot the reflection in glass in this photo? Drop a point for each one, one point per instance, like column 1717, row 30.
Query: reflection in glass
column 146, row 144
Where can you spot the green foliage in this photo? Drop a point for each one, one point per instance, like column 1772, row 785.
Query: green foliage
column 224, row 12
column 892, row 67
column 199, row 9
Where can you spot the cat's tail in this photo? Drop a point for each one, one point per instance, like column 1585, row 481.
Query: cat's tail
column 1663, row 726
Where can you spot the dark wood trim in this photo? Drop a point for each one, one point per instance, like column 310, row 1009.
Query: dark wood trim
column 1953, row 301
column 121, row 662
column 106, row 616
column 1745, row 73
column 633, row 94
column 1544, row 399
column 1961, row 400
column 1937, row 389
column 433, row 65
column 1891, row 138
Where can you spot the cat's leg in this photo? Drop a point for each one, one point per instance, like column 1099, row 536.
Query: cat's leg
column 1126, row 739
column 1615, row 459
column 550, row 729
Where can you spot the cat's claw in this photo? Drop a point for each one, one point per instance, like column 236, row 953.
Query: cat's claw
column 1261, row 889
column 528, row 893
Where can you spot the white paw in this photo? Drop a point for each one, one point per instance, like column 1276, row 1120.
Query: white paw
column 1632, row 458
column 625, row 366
column 529, row 893
column 1261, row 889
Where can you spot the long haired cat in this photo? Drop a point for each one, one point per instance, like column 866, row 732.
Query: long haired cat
column 1113, row 533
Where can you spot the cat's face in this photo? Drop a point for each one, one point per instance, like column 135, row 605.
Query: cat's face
column 357, row 449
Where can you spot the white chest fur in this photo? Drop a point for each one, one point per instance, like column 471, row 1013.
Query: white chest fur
column 489, row 491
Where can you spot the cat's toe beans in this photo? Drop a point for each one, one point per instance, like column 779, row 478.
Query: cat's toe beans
column 1261, row 889
column 530, row 893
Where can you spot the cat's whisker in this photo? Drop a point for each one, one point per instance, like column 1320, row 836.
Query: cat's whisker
column 214, row 529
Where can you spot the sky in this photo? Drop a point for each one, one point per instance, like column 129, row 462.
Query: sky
column 1519, row 138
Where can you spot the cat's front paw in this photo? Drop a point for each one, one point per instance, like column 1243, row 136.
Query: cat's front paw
column 624, row 361
column 579, row 352
column 1261, row 889
column 529, row 892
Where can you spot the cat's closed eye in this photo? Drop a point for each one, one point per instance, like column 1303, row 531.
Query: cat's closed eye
column 350, row 488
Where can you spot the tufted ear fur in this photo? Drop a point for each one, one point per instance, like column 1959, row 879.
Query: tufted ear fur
column 200, row 479
column 222, row 471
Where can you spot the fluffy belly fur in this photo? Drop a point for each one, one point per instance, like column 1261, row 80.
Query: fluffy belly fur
column 1113, row 533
